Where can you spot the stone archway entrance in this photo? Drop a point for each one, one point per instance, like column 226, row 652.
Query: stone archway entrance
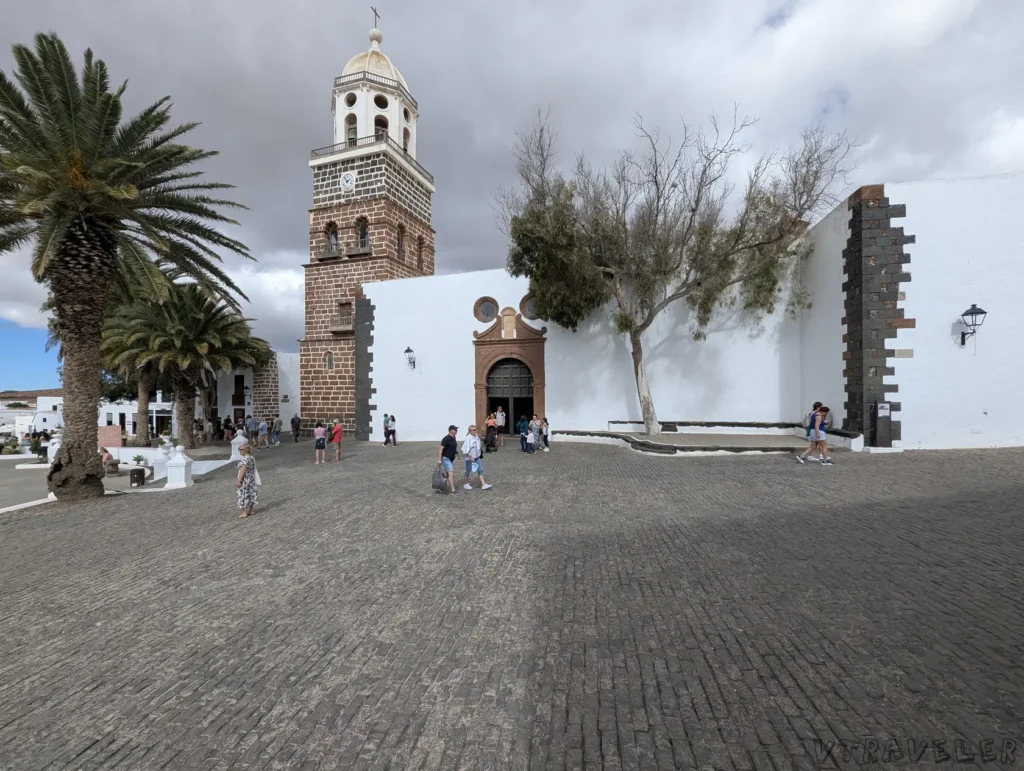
column 510, row 385
column 509, row 356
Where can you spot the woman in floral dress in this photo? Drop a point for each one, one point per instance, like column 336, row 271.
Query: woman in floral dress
column 248, row 490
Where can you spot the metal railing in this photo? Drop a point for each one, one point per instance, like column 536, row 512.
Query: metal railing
column 376, row 139
column 340, row 323
column 355, row 246
column 380, row 80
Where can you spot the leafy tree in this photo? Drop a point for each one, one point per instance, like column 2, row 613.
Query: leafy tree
column 663, row 225
column 190, row 338
column 103, row 202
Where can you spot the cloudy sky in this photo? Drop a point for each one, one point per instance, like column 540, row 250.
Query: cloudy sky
column 931, row 87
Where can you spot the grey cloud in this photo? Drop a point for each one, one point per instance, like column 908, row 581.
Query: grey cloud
column 930, row 87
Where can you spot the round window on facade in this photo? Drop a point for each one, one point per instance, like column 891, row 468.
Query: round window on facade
column 350, row 100
column 528, row 309
column 405, row 112
column 381, row 101
column 486, row 309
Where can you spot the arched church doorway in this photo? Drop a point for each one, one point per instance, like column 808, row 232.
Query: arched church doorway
column 510, row 385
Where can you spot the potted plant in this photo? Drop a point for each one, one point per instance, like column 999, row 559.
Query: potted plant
column 139, row 460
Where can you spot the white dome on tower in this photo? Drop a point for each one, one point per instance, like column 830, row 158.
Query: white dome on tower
column 374, row 61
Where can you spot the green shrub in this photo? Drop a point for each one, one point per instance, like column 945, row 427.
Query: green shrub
column 8, row 450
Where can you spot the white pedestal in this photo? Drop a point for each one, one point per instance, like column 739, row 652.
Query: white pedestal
column 236, row 444
column 179, row 470
column 160, row 462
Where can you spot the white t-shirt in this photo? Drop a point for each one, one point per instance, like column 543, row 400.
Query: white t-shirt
column 500, row 415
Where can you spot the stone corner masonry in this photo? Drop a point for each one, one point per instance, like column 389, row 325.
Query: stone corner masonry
column 875, row 266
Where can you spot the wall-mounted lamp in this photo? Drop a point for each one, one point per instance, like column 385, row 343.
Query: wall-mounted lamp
column 973, row 318
column 410, row 357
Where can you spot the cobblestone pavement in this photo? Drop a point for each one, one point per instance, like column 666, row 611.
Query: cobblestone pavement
column 599, row 608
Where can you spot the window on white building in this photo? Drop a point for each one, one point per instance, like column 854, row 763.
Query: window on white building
column 110, row 418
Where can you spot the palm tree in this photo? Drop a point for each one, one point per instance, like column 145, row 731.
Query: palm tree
column 191, row 338
column 102, row 201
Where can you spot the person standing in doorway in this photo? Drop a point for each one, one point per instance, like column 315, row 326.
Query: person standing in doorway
column 296, row 426
column 387, row 429
column 474, row 463
column 320, row 443
column 248, row 489
column 446, row 455
column 275, row 436
column 500, row 417
column 336, row 439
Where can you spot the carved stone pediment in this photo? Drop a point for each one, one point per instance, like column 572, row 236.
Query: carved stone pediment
column 510, row 326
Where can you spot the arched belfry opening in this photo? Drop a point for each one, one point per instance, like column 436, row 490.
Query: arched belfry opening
column 509, row 364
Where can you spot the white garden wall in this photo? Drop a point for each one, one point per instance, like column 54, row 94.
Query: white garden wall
column 740, row 373
column 969, row 249
column 821, row 326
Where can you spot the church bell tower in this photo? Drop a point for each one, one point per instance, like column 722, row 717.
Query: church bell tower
column 370, row 221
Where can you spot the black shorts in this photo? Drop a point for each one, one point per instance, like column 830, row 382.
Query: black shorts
column 321, row 443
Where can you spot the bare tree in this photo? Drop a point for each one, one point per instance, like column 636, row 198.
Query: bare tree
column 665, row 224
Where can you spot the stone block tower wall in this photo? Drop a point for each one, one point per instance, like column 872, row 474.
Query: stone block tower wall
column 874, row 262
column 265, row 390
column 393, row 206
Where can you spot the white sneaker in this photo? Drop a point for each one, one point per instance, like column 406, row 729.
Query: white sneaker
column 547, row 449
column 487, row 487
column 467, row 487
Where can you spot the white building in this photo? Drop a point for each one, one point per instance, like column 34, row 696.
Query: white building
column 871, row 335
column 893, row 359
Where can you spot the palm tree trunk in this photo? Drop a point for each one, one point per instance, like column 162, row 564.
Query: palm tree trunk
column 80, row 282
column 142, row 438
column 643, row 388
column 185, row 407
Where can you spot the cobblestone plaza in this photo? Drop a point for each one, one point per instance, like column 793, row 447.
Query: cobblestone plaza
column 599, row 608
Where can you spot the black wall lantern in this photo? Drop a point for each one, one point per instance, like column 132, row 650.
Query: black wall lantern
column 973, row 318
column 410, row 357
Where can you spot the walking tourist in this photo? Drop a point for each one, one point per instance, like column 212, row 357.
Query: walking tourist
column 296, row 426
column 547, row 436
column 275, row 432
column 500, row 417
column 523, row 427
column 387, row 429
column 391, row 430
column 474, row 463
column 263, row 430
column 320, row 443
column 491, row 434
column 336, row 439
column 248, row 482
column 807, row 425
column 536, row 431
column 250, row 428
column 208, row 430
column 446, row 455
column 818, row 436
column 229, row 430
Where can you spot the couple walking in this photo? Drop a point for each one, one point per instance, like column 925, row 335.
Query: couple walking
column 389, row 430
column 817, row 422
column 471, row 448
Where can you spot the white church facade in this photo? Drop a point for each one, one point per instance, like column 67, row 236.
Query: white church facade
column 885, row 342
